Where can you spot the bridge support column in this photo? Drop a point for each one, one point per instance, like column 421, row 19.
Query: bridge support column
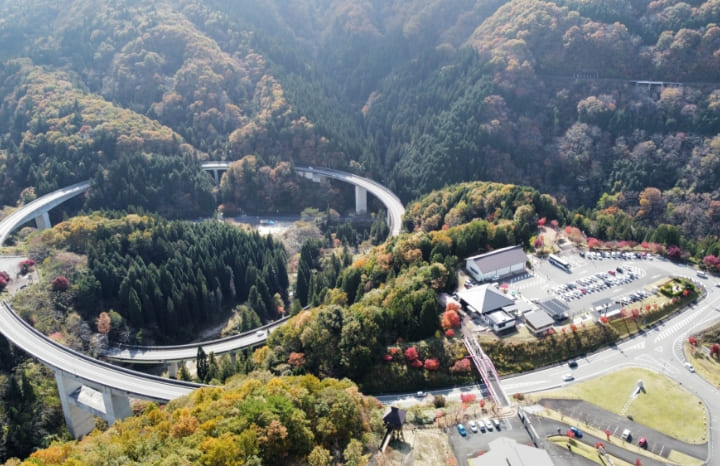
column 360, row 200
column 79, row 421
column 116, row 406
column 216, row 175
column 172, row 369
column 42, row 221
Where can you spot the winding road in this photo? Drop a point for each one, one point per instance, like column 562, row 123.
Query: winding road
column 134, row 383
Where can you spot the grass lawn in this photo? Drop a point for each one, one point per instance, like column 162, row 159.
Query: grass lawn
column 706, row 367
column 666, row 406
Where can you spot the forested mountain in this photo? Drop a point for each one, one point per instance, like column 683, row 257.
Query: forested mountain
column 417, row 94
column 601, row 114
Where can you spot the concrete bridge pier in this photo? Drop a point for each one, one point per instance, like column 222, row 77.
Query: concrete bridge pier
column 42, row 221
column 116, row 406
column 216, row 175
column 172, row 369
column 360, row 200
column 79, row 421
column 81, row 404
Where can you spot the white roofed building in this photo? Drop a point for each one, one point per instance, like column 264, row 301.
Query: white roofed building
column 498, row 264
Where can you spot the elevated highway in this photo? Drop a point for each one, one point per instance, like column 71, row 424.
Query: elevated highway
column 178, row 353
column 392, row 203
column 39, row 208
column 90, row 387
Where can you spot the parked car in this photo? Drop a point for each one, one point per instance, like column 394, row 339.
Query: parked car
column 461, row 429
column 473, row 426
column 488, row 424
column 642, row 443
column 627, row 435
column 578, row 433
column 496, row 423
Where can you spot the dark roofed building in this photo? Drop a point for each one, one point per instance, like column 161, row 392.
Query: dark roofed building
column 555, row 308
column 498, row 264
column 394, row 417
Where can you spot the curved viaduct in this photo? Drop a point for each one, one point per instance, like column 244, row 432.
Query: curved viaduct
column 394, row 206
column 89, row 387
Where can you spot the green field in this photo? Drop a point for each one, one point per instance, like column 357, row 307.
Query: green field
column 666, row 406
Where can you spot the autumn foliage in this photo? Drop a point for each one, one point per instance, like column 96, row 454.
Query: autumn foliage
column 60, row 283
column 450, row 319
column 432, row 364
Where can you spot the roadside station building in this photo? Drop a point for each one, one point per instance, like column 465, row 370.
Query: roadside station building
column 498, row 264
column 490, row 304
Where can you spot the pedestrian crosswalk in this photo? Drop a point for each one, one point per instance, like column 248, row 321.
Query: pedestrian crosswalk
column 675, row 327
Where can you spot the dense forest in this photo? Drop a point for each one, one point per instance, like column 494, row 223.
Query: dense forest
column 162, row 279
column 252, row 420
column 416, row 95
column 602, row 116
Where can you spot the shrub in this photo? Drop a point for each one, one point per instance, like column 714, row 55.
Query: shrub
column 61, row 283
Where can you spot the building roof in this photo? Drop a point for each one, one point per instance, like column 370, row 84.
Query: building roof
column 538, row 319
column 484, row 298
column 519, row 307
column 499, row 258
column 506, row 451
column 499, row 317
column 557, row 309
column 394, row 417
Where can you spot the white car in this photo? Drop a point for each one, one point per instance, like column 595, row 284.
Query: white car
column 568, row 377
column 689, row 367
column 473, row 426
column 488, row 424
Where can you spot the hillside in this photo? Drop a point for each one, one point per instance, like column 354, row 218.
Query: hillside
column 487, row 118
column 416, row 94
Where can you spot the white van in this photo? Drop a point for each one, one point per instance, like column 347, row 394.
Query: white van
column 626, row 435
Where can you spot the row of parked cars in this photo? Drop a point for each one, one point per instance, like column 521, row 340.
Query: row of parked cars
column 482, row 425
column 594, row 283
column 599, row 255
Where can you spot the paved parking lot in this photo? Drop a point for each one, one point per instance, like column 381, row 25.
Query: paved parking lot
column 473, row 444
column 608, row 283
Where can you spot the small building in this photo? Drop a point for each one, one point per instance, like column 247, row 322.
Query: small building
column 501, row 321
column 506, row 451
column 498, row 264
column 538, row 322
column 394, row 418
column 555, row 308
